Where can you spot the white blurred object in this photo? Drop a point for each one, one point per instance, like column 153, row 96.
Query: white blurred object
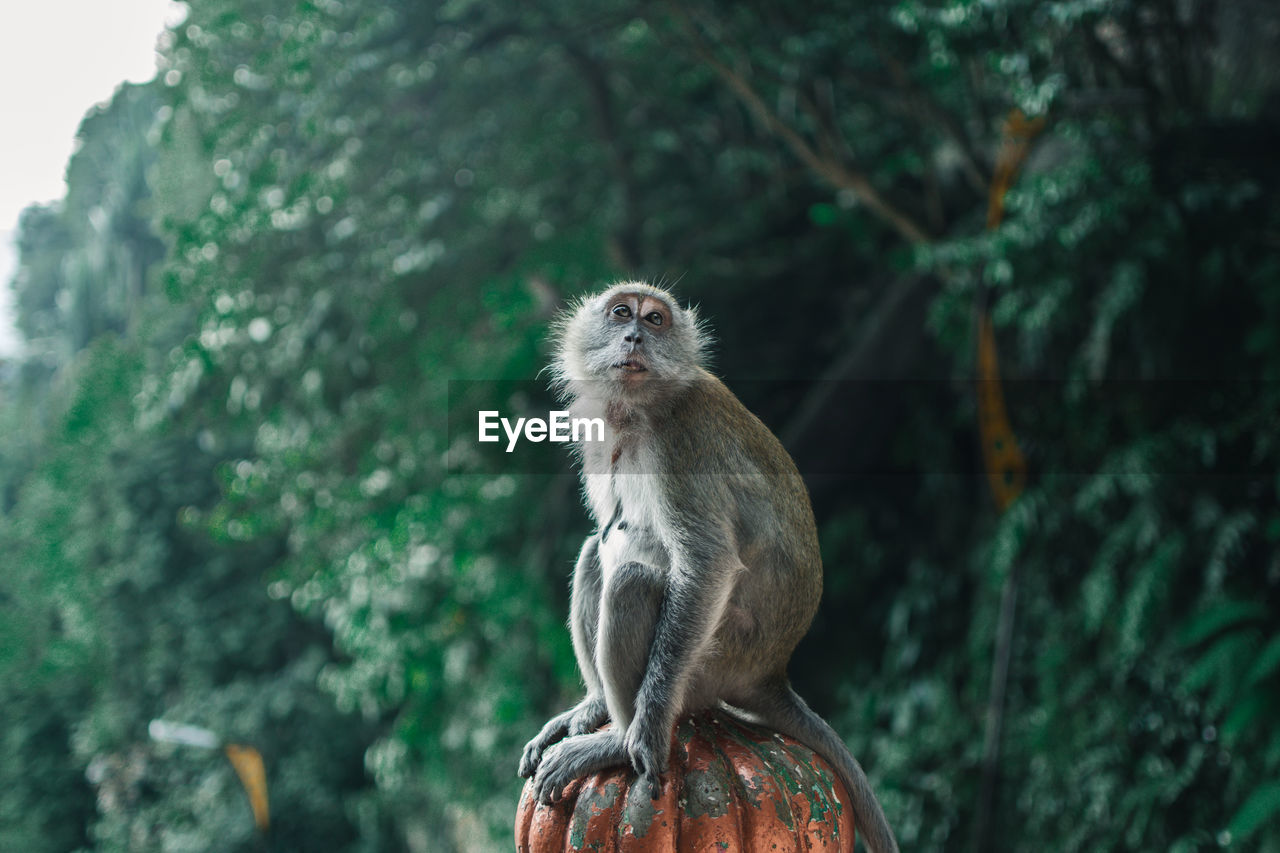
column 167, row 732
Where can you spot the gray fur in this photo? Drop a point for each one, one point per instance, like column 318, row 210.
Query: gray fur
column 704, row 572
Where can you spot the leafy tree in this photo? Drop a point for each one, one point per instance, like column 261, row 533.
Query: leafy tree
column 360, row 206
column 118, row 611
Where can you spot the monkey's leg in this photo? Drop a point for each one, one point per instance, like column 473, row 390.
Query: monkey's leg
column 779, row 707
column 691, row 611
column 635, row 598
column 584, row 615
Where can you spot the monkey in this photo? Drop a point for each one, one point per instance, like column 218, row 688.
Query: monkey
column 704, row 570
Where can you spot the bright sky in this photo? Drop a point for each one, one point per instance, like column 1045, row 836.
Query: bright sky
column 58, row 59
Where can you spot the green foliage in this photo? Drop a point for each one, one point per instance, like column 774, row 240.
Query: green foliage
column 224, row 477
column 1260, row 808
column 117, row 612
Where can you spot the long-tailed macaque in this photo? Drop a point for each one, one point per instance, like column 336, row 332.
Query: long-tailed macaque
column 703, row 572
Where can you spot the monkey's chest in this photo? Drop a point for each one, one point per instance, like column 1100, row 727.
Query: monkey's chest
column 627, row 508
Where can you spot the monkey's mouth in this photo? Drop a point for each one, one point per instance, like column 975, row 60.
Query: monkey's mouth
column 630, row 366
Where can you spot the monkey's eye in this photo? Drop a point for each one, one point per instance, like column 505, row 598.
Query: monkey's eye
column 655, row 318
column 621, row 311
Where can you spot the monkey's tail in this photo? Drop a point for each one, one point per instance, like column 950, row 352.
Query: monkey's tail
column 784, row 711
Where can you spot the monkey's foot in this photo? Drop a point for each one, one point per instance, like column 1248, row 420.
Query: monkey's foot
column 587, row 716
column 574, row 758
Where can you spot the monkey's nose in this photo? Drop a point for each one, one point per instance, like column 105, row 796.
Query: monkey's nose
column 633, row 338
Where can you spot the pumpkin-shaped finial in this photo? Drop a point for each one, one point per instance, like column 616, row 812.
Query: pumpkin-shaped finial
column 731, row 786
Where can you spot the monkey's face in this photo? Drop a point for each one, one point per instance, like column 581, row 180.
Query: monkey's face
column 639, row 323
column 631, row 337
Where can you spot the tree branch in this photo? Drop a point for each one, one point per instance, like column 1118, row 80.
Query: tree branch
column 830, row 169
column 596, row 77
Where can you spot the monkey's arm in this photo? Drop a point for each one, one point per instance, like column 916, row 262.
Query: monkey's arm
column 584, row 625
column 584, row 617
column 584, row 611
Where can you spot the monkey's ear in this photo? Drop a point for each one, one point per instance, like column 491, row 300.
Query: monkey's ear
column 703, row 337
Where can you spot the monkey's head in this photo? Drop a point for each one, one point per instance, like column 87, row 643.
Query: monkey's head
column 632, row 340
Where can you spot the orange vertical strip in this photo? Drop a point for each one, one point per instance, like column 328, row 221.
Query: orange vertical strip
column 1005, row 464
column 247, row 762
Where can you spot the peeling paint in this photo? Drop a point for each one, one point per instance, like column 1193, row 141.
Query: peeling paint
column 796, row 770
column 705, row 795
column 591, row 801
column 731, row 786
column 639, row 813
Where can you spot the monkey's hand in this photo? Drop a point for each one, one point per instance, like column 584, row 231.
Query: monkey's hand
column 586, row 716
column 590, row 715
column 648, row 747
column 552, row 733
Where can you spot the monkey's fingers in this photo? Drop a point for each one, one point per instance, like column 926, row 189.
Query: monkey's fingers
column 650, row 783
column 543, row 788
column 648, row 771
column 552, row 733
column 547, row 791
column 529, row 760
column 532, row 756
column 589, row 716
column 553, row 776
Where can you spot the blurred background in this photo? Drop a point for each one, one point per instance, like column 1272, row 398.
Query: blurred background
column 224, row 500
